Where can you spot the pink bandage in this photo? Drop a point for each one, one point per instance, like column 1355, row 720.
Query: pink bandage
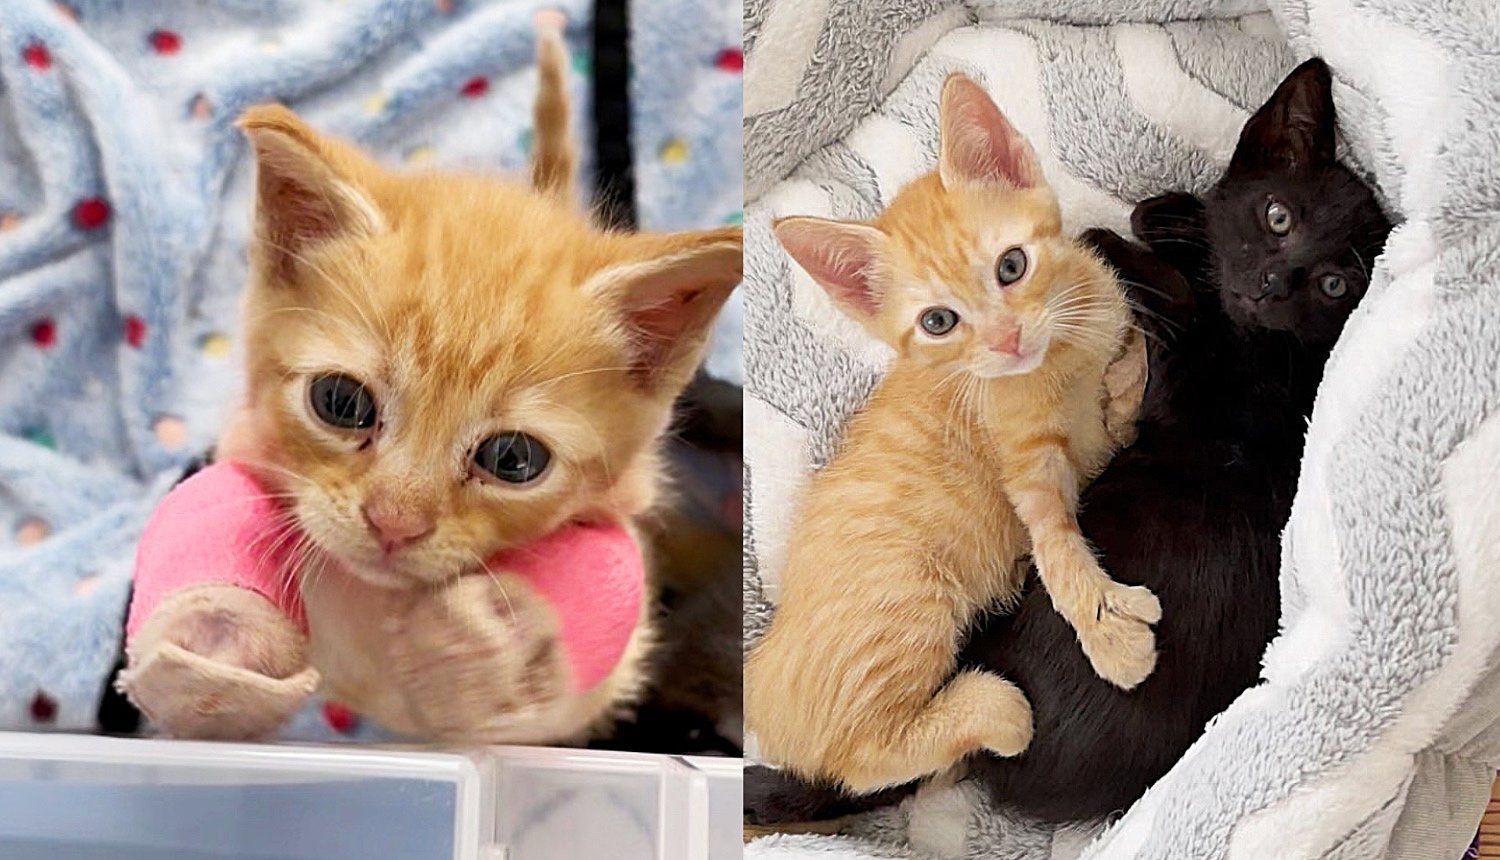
column 220, row 528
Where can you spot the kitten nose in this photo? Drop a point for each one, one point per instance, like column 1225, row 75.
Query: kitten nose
column 1273, row 285
column 1009, row 343
column 395, row 527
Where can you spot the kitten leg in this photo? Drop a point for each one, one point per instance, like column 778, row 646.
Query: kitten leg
column 218, row 662
column 974, row 711
column 1113, row 621
column 554, row 164
column 1124, row 388
column 480, row 661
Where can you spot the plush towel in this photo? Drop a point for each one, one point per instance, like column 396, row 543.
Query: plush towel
column 124, row 211
column 1374, row 733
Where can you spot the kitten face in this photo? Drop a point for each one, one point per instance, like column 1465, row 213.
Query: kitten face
column 966, row 270
column 993, row 295
column 1294, row 233
column 442, row 367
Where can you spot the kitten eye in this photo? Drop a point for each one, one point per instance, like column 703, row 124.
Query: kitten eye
column 1278, row 217
column 343, row 402
column 514, row 458
column 938, row 321
column 1333, row 286
column 1011, row 267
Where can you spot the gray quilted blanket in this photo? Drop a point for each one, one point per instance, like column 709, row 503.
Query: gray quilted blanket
column 1374, row 732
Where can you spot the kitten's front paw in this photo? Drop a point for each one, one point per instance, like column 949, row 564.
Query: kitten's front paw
column 481, row 661
column 1119, row 641
column 218, row 662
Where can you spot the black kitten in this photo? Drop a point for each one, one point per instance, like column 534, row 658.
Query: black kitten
column 1242, row 292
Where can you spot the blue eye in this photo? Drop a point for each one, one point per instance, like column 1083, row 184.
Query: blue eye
column 343, row 402
column 938, row 321
column 515, row 458
column 1011, row 267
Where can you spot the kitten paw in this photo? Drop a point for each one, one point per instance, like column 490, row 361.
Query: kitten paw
column 998, row 709
column 218, row 662
column 481, row 661
column 1011, row 727
column 1119, row 642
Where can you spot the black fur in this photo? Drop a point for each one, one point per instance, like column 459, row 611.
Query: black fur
column 1194, row 508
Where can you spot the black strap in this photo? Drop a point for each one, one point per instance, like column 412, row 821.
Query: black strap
column 614, row 160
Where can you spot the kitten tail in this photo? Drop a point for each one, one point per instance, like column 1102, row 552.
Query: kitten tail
column 555, row 161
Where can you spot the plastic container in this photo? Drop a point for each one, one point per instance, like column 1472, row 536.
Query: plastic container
column 71, row 797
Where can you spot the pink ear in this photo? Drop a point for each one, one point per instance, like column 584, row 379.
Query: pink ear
column 668, row 293
column 978, row 144
column 843, row 257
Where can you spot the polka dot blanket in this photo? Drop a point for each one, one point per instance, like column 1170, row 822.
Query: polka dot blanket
column 124, row 213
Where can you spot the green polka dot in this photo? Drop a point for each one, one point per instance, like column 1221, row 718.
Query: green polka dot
column 735, row 218
column 583, row 63
column 41, row 436
column 526, row 141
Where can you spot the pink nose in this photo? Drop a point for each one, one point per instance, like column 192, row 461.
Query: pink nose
column 394, row 527
column 1009, row 343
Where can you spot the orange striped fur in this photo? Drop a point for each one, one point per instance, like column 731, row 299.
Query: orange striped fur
column 969, row 455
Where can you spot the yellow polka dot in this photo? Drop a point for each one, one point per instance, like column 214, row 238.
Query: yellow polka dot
column 88, row 585
column 32, row 532
column 9, row 221
column 674, row 151
column 215, row 345
column 420, row 155
column 376, row 103
column 170, row 431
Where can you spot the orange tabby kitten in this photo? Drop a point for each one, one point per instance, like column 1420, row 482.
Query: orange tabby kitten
column 503, row 367
column 970, row 452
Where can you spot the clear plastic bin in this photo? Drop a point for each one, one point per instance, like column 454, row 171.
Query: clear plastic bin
column 71, row 797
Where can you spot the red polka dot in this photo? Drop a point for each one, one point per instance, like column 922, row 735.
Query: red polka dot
column 730, row 60
column 37, row 56
column 43, row 708
column 135, row 331
column 165, row 42
column 44, row 333
column 340, row 718
column 476, row 87
column 90, row 214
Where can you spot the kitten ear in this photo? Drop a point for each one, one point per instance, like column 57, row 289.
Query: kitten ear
column 668, row 295
column 306, row 190
column 843, row 257
column 977, row 143
column 1294, row 130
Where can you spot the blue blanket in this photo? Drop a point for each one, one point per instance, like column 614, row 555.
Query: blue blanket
column 124, row 213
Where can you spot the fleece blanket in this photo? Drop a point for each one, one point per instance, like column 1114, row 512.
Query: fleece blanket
column 124, row 212
column 1374, row 732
